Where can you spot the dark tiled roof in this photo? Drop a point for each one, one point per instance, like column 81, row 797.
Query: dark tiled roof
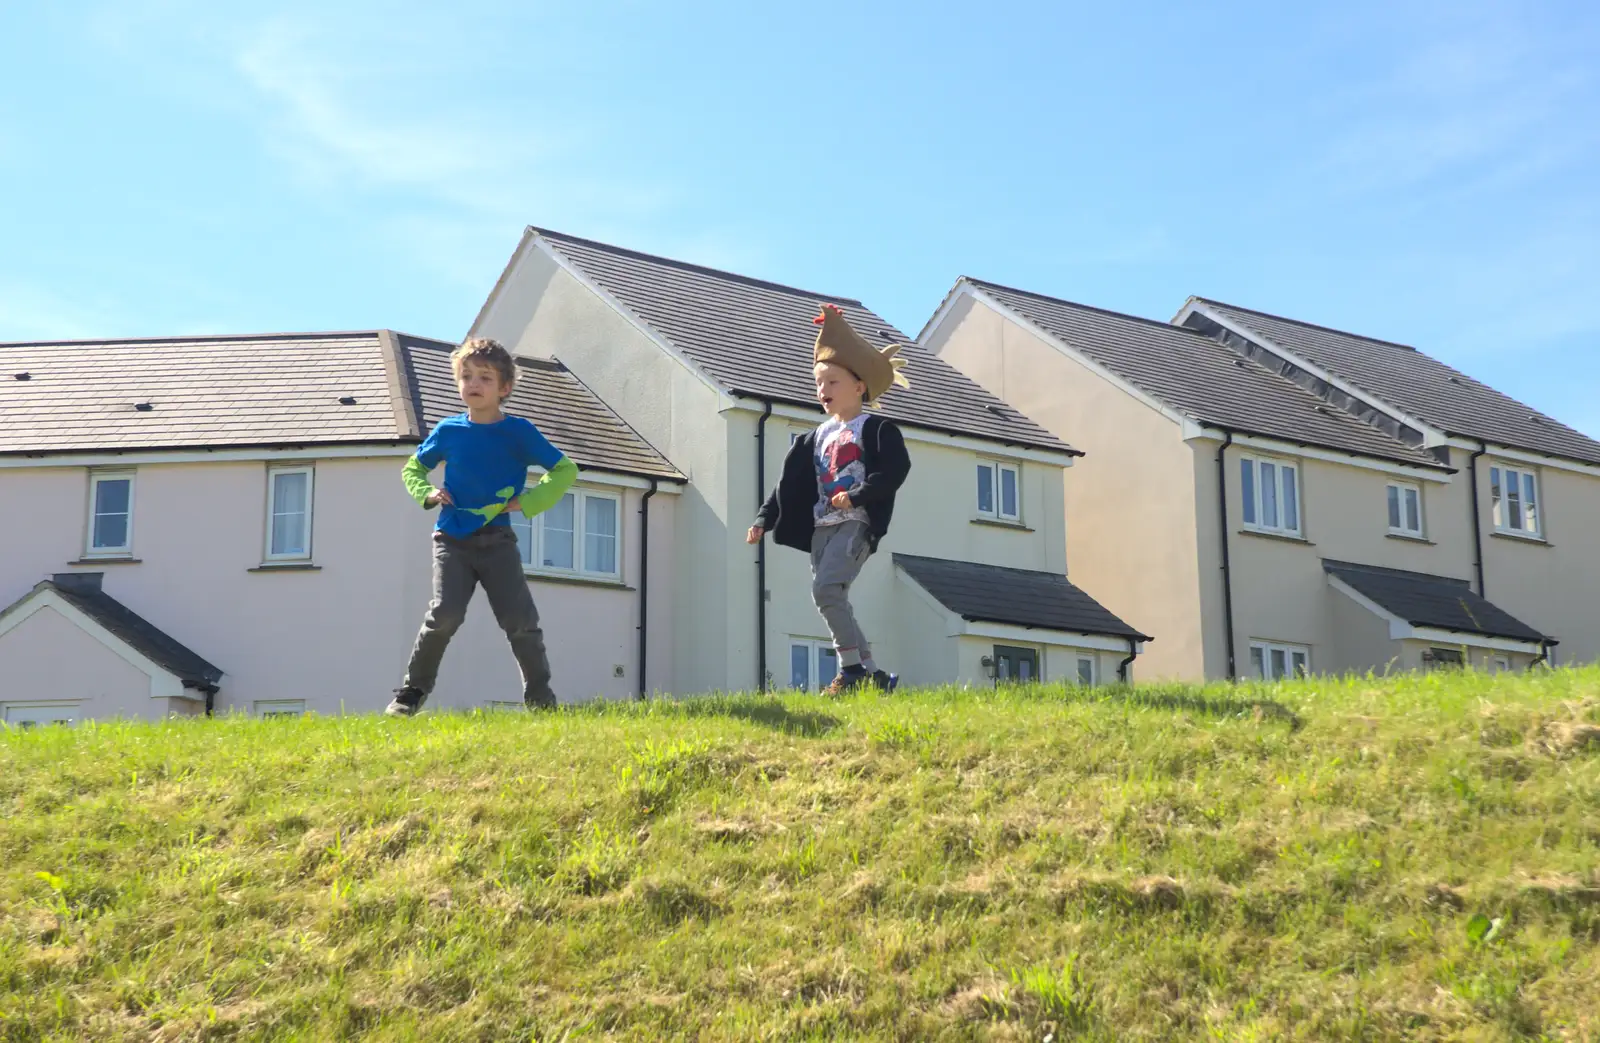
column 567, row 412
column 82, row 591
column 271, row 389
column 1018, row 597
column 755, row 339
column 1202, row 379
column 1411, row 381
column 1432, row 601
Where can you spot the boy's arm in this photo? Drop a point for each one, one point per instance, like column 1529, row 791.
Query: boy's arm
column 767, row 516
column 549, row 489
column 891, row 464
column 415, row 472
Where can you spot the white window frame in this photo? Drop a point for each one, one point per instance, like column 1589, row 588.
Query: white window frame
column 272, row 486
column 95, row 480
column 1399, row 490
column 580, row 513
column 1079, row 660
column 74, row 705
column 279, row 707
column 1266, row 648
column 1526, row 477
column 997, row 470
column 1254, row 506
column 1500, row 663
column 816, row 650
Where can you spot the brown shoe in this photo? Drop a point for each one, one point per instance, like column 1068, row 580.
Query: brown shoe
column 849, row 679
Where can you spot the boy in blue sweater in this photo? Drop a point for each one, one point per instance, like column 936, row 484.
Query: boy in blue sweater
column 486, row 454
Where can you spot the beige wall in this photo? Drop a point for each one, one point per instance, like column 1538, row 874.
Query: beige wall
column 339, row 636
column 541, row 310
column 34, row 652
column 1131, row 504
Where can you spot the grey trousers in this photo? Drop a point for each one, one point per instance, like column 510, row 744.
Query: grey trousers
column 490, row 557
column 837, row 554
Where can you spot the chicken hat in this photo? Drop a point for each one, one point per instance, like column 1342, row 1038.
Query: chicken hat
column 839, row 343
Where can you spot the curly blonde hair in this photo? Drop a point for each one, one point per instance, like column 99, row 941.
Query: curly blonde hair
column 490, row 353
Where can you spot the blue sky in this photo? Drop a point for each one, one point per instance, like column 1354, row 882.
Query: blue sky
column 1427, row 172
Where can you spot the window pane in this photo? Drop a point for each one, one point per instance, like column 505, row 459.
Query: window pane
column 1279, row 666
column 1494, row 496
column 827, row 665
column 558, row 534
column 1002, row 668
column 1513, row 500
column 1247, row 489
column 1258, row 661
column 1085, row 671
column 111, row 530
column 1008, row 492
column 289, row 513
column 800, row 667
column 111, row 500
column 1291, row 500
column 1394, row 507
column 1024, row 668
column 522, row 525
column 1529, row 506
column 1298, row 661
column 1413, row 511
column 600, row 535
column 985, row 489
column 1269, row 495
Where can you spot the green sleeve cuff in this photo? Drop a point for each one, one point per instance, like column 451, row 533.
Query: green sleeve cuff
column 549, row 489
column 416, row 478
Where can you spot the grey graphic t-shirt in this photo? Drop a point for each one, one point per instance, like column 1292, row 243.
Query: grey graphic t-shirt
column 839, row 468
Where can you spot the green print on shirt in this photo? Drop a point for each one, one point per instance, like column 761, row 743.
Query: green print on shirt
column 489, row 513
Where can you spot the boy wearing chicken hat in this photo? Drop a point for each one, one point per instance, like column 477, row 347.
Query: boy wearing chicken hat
column 836, row 494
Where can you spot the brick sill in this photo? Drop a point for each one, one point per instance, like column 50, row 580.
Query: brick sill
column 1279, row 536
column 287, row 566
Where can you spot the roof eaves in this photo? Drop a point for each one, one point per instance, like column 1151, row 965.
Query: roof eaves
column 207, row 447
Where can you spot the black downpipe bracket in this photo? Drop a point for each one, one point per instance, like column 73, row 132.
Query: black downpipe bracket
column 761, row 550
column 644, row 588
column 1227, row 570
column 1133, row 653
column 1477, row 515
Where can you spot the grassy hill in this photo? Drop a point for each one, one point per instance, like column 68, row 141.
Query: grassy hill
column 1412, row 858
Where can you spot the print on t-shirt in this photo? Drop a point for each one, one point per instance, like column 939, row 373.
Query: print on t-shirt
column 839, row 468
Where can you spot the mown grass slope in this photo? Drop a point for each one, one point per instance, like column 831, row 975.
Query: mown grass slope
column 1397, row 859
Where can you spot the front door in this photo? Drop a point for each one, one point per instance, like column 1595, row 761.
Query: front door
column 1015, row 665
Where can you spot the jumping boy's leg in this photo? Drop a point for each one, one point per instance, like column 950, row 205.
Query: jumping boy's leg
column 837, row 554
column 500, row 571
column 454, row 580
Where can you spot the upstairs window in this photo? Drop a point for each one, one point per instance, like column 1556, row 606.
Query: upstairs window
column 999, row 491
column 1405, row 509
column 1270, row 490
column 1514, row 499
column 289, row 514
column 110, row 515
column 579, row 534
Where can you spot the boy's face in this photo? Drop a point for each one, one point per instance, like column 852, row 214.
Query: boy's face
column 480, row 385
column 838, row 389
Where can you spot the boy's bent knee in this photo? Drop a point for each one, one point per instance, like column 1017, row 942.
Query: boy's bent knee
column 444, row 622
column 827, row 594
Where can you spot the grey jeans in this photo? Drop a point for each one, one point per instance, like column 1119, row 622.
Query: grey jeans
column 837, row 554
column 490, row 557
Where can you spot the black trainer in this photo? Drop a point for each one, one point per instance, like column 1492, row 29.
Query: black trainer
column 539, row 705
column 885, row 682
column 406, row 703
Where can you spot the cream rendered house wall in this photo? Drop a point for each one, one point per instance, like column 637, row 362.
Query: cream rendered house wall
column 1130, row 502
column 338, row 636
column 541, row 310
column 104, row 683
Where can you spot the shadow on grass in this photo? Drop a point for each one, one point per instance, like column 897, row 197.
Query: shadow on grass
column 1179, row 698
column 766, row 711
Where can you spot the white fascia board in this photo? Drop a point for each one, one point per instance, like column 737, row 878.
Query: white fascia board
column 1052, row 638
column 951, row 298
column 1431, row 435
column 1522, row 456
column 523, row 245
column 1066, row 348
column 1194, row 431
column 664, row 486
column 1403, row 630
column 163, row 683
column 650, row 333
column 146, row 457
column 954, row 625
column 980, row 446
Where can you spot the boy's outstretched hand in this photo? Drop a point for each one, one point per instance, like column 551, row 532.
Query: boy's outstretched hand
column 841, row 500
column 439, row 496
column 755, row 534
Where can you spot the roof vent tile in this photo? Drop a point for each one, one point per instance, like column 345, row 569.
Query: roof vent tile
column 348, row 400
column 24, row 376
column 144, row 407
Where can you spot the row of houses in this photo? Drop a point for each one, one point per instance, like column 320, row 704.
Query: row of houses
column 207, row 524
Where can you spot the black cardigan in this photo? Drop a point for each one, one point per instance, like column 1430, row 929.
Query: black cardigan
column 790, row 512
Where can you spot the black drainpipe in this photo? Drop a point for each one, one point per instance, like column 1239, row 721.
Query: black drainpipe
column 761, row 550
column 1133, row 653
column 1477, row 520
column 644, row 586
column 1227, row 571
column 1543, row 656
